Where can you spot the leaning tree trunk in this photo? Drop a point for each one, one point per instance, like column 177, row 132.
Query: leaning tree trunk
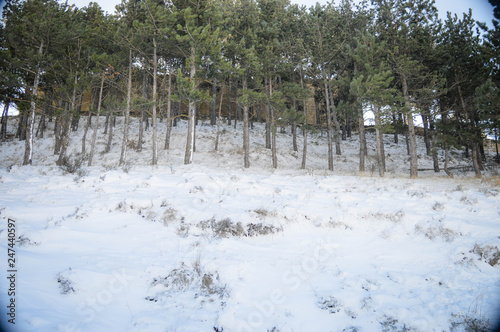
column 123, row 154
column 188, row 156
column 96, row 124
column 28, row 147
column 329, row 127
column 169, row 112
column 217, row 136
column 333, row 112
column 411, row 132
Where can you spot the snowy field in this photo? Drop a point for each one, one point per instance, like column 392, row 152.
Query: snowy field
column 215, row 247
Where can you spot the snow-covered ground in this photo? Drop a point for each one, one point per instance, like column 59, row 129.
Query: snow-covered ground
column 215, row 247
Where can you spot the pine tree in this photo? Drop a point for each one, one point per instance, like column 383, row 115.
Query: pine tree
column 197, row 37
column 372, row 84
column 465, row 71
column 488, row 101
column 30, row 29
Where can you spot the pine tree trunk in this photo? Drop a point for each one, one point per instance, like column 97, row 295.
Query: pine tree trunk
column 333, row 114
column 20, row 125
column 96, row 123
column 252, row 116
column 106, row 122
column 435, row 160
column 89, row 120
column 65, row 140
column 473, row 144
column 349, row 125
column 213, row 113
column 154, row 159
column 177, row 110
column 344, row 128
column 237, row 115
column 268, row 118
column 475, row 160
column 78, row 113
column 123, row 154
column 496, row 146
column 28, row 147
column 219, row 118
column 273, row 129
column 362, row 140
column 446, row 161
column 188, row 157
column 40, row 132
column 58, row 131
column 427, row 133
column 161, row 103
column 446, row 153
column 316, row 107
column 380, row 142
column 411, row 132
column 432, row 137
column 5, row 117
column 304, row 126
column 169, row 112
column 294, row 130
column 329, row 126
column 64, row 134
column 110, row 136
column 304, row 134
column 141, row 116
column 246, row 134
column 229, row 110
column 395, row 124
column 480, row 154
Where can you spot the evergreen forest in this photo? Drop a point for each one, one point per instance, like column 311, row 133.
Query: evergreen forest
column 243, row 61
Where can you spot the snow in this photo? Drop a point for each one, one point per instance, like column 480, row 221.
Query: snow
column 213, row 246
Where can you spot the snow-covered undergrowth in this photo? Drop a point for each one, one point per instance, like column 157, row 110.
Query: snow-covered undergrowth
column 215, row 247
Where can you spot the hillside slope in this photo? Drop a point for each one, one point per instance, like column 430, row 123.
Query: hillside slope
column 215, row 247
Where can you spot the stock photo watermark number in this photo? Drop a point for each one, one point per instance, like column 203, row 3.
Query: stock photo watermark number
column 11, row 271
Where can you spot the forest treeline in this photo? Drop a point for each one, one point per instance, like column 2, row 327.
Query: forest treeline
column 252, row 60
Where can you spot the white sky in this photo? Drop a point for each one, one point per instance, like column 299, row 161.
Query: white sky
column 481, row 9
